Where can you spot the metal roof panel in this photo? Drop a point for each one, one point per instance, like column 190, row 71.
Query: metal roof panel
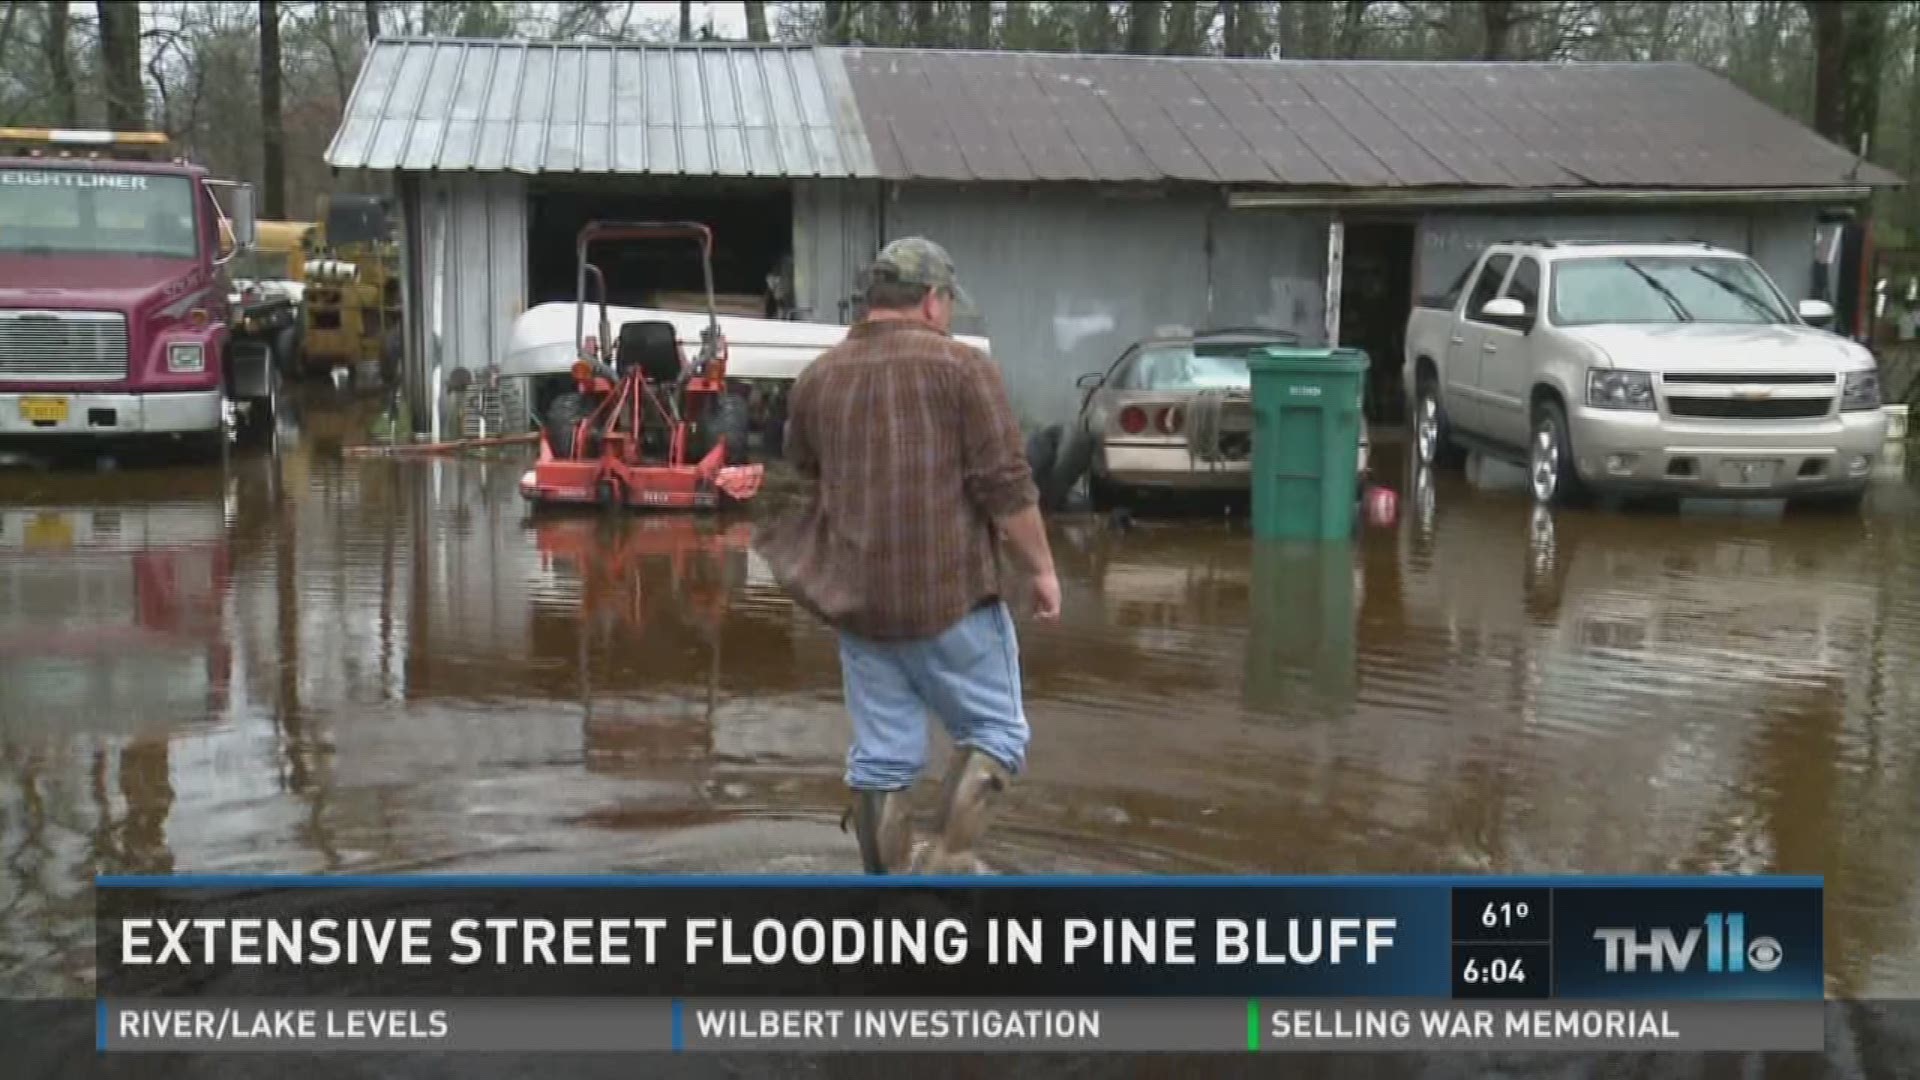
column 423, row 104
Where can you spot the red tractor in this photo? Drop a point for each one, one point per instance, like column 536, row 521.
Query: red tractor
column 644, row 427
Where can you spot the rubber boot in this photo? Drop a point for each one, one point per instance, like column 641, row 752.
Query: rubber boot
column 974, row 781
column 881, row 825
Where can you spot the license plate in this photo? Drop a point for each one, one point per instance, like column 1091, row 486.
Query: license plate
column 1748, row 473
column 43, row 410
column 48, row 532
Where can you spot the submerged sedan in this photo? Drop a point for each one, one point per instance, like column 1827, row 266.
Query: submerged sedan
column 1174, row 414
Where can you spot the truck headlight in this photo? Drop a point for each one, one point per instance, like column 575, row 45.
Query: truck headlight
column 1862, row 391
column 186, row 357
column 1611, row 388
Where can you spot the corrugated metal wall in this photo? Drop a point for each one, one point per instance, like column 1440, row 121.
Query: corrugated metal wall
column 1780, row 238
column 836, row 231
column 1065, row 280
column 471, row 276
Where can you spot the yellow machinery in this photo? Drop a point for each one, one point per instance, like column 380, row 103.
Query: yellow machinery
column 352, row 298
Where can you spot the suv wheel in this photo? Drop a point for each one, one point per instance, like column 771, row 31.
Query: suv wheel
column 1432, row 439
column 1550, row 470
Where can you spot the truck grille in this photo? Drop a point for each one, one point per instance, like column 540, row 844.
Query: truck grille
column 1738, row 409
column 63, row 346
column 1778, row 378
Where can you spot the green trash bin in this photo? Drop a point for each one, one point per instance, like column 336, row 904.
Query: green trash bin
column 1306, row 442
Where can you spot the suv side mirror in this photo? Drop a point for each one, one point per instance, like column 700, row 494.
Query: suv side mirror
column 1816, row 311
column 1090, row 380
column 1507, row 311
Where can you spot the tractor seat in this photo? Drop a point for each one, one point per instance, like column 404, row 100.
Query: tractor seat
column 654, row 347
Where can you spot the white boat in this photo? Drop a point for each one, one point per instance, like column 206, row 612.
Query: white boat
column 542, row 342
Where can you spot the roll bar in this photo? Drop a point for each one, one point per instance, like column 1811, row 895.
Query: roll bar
column 638, row 230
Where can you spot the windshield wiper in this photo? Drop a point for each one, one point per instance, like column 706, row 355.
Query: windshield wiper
column 1665, row 293
column 1745, row 295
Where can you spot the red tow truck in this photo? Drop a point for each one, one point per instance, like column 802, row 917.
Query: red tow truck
column 115, row 313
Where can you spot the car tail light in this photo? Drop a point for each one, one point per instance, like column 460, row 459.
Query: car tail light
column 1133, row 420
column 1169, row 421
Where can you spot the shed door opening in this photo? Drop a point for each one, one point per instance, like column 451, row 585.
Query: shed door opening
column 1376, row 295
column 752, row 239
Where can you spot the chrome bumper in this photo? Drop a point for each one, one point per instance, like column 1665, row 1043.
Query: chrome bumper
column 118, row 414
column 1647, row 451
column 1168, row 466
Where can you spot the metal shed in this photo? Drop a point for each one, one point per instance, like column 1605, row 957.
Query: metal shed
column 1089, row 199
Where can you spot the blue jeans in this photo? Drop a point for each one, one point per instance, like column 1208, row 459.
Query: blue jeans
column 968, row 675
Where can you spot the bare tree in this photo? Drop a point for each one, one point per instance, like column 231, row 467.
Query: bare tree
column 66, row 106
column 274, row 144
column 686, row 20
column 980, row 24
column 1143, row 27
column 833, row 21
column 756, row 20
column 1497, row 19
column 1183, row 28
column 120, row 59
column 373, row 20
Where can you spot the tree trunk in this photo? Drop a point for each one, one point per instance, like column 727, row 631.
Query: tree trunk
column 1862, row 65
column 923, row 31
column 757, row 20
column 1353, row 28
column 1143, row 27
column 120, row 60
column 686, row 20
column 372, row 8
column 833, row 22
column 1829, row 39
column 1238, row 30
column 272, row 124
column 980, row 24
column 1183, row 29
column 1496, row 25
column 66, row 107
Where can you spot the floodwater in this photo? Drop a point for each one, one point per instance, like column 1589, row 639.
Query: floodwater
column 310, row 664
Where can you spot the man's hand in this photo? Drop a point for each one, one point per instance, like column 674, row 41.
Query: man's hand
column 1046, row 596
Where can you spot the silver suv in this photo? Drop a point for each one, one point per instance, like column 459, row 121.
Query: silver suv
column 1673, row 368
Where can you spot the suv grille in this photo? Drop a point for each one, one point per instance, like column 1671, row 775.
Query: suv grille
column 78, row 346
column 1738, row 409
column 1717, row 378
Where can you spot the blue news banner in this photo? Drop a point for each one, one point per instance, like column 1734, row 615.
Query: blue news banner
column 1223, row 964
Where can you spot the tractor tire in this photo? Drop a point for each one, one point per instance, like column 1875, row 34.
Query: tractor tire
column 563, row 415
column 729, row 419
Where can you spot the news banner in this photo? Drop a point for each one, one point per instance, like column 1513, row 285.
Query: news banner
column 708, row 964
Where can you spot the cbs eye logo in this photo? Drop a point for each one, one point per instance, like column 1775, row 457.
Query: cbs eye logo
column 1764, row 954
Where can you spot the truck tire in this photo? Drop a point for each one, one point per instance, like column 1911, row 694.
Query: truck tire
column 728, row 419
column 1432, row 435
column 563, row 414
column 1551, row 473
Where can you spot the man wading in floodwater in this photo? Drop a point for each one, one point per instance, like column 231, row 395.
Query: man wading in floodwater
column 917, row 470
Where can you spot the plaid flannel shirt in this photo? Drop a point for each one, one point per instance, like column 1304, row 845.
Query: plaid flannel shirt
column 911, row 449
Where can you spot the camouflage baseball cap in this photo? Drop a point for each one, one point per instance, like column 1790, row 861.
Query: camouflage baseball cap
column 915, row 260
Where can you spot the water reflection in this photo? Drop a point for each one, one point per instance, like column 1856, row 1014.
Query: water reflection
column 305, row 664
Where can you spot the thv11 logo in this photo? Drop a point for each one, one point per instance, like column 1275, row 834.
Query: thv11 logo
column 1662, row 949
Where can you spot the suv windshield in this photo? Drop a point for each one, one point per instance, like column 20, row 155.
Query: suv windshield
column 1663, row 289
column 1185, row 367
column 66, row 211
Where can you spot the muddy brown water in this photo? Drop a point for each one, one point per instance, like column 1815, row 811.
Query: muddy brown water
column 309, row 664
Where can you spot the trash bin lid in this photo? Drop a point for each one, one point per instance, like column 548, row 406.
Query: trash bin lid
column 1308, row 361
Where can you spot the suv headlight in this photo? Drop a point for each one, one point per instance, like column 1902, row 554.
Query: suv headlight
column 186, row 357
column 1610, row 388
column 1862, row 391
